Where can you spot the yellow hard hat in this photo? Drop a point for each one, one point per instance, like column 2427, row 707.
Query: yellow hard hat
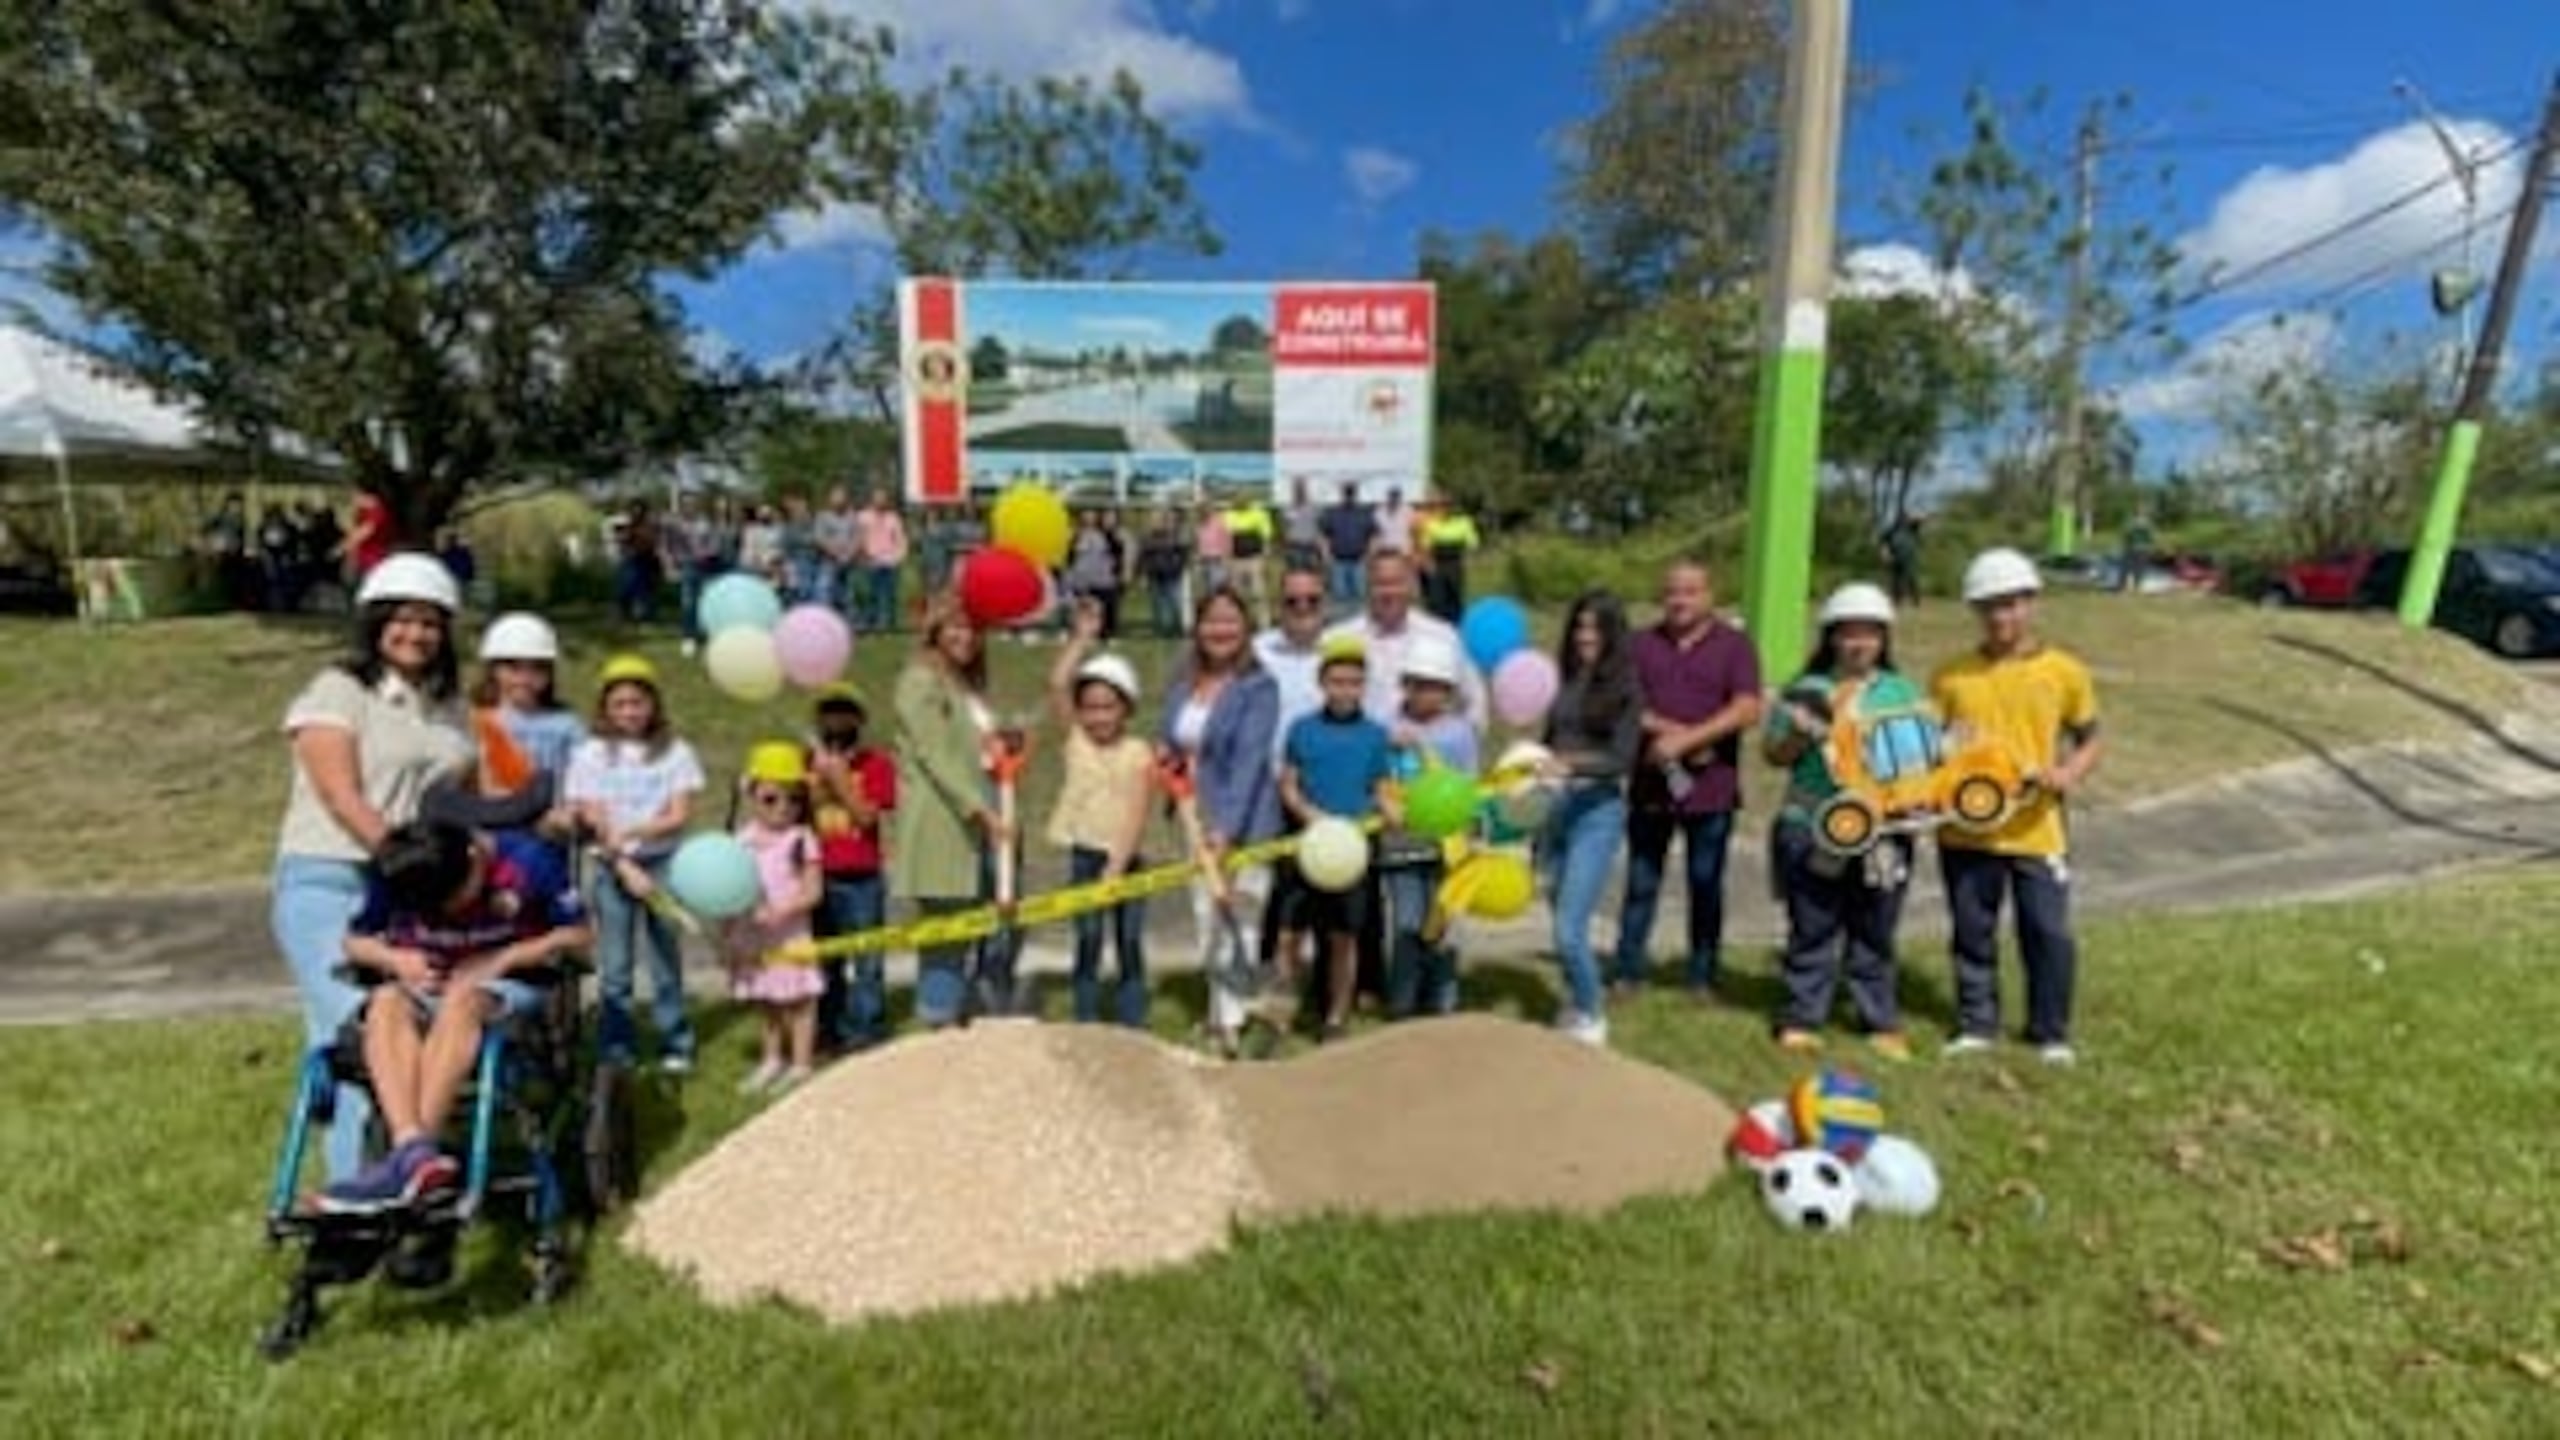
column 777, row 762
column 840, row 693
column 1343, row 650
column 627, row 667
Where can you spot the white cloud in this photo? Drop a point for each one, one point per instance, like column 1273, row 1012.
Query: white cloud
column 1377, row 174
column 2274, row 209
column 841, row 224
column 1872, row 272
column 2229, row 361
column 1184, row 79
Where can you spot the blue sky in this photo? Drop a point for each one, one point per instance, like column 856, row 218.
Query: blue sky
column 1337, row 131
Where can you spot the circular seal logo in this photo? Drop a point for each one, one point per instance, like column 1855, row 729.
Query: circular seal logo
column 1382, row 401
column 938, row 370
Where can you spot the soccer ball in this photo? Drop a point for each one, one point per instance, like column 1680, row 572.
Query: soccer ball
column 1810, row 1190
column 1836, row 1111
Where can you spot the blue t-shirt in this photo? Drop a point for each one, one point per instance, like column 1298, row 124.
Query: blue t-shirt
column 547, row 737
column 528, row 892
column 1339, row 760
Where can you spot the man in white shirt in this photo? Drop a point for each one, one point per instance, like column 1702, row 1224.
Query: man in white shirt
column 1395, row 525
column 1386, row 631
column 1289, row 649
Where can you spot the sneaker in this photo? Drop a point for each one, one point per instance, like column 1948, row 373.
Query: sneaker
column 690, row 649
column 407, row 1175
column 1801, row 1042
column 761, row 1078
column 1890, row 1045
column 1591, row 1030
column 2058, row 1055
column 675, row 1065
column 1966, row 1045
column 789, row 1079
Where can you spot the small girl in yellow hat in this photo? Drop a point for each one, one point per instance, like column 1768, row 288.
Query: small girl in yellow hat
column 776, row 832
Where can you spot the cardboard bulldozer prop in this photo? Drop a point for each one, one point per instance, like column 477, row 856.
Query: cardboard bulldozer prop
column 1902, row 773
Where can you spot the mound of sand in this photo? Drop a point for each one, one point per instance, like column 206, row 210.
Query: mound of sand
column 1005, row 1161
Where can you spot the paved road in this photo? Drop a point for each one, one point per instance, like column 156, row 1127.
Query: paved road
column 2309, row 829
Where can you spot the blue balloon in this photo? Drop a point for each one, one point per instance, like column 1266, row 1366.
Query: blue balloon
column 738, row 600
column 1494, row 627
column 713, row 876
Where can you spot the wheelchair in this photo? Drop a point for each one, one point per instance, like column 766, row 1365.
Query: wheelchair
column 549, row 1146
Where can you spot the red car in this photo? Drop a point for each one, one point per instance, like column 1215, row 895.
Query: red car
column 2330, row 582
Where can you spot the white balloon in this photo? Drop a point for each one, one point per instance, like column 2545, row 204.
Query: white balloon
column 1896, row 1177
column 1333, row 854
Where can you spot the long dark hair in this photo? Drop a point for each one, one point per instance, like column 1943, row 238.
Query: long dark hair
column 444, row 674
column 1826, row 654
column 1609, row 689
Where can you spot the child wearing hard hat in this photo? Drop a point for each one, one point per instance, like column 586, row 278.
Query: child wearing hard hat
column 1431, row 730
column 1101, row 814
column 789, row 885
column 1842, row 910
column 851, row 786
column 632, row 786
column 2038, row 700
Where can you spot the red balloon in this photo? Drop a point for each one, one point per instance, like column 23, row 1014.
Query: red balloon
column 999, row 587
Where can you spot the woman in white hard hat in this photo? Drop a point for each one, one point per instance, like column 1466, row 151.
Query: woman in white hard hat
column 369, row 734
column 1842, row 909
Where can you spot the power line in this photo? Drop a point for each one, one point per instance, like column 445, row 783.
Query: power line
column 2230, row 280
column 2353, row 285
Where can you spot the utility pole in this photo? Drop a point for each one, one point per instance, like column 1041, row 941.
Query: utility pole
column 2064, row 536
column 1786, row 440
column 2462, row 437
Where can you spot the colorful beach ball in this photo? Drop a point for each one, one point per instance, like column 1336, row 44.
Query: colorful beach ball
column 1837, row 1111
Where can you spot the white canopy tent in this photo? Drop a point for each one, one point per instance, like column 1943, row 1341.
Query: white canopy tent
column 59, row 404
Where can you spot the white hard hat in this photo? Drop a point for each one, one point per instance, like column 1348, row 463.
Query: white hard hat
column 1999, row 572
column 1856, row 600
column 1430, row 658
column 1113, row 671
column 411, row 575
column 520, row 636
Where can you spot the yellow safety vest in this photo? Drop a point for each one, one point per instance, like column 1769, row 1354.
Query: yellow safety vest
column 1451, row 532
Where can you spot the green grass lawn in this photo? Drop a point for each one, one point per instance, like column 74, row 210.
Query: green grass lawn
column 2297, row 1187
column 148, row 755
column 1055, row 435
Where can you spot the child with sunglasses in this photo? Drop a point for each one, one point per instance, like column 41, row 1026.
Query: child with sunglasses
column 776, row 833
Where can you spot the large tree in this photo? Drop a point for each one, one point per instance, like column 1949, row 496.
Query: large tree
column 429, row 235
column 1906, row 371
column 1671, row 181
column 1510, row 316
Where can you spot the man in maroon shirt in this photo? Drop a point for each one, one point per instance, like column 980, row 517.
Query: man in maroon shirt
column 1699, row 681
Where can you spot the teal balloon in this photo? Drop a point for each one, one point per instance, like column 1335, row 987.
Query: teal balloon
column 713, row 876
column 735, row 601
column 1441, row 803
column 1492, row 629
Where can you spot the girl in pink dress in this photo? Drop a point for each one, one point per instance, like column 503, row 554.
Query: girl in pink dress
column 777, row 834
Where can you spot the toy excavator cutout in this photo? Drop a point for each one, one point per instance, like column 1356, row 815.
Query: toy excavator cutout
column 1902, row 773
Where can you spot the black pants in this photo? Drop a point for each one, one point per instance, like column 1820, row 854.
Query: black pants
column 1838, row 926
column 1977, row 883
column 1906, row 582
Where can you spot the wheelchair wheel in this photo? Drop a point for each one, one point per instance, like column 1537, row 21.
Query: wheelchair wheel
column 611, row 1151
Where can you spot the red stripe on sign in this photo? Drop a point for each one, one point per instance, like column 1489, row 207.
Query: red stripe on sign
column 940, row 418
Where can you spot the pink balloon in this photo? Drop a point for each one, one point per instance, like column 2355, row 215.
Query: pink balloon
column 815, row 645
column 1524, row 685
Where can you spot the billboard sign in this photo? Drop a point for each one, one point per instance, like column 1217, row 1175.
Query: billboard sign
column 1133, row 393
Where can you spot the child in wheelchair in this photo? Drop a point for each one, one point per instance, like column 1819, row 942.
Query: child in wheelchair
column 460, row 931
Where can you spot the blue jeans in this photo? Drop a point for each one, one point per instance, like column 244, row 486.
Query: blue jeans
column 854, row 1013
column 1581, row 844
column 314, row 902
column 1706, row 838
column 880, row 583
column 1128, row 926
column 691, row 580
column 1976, row 882
column 626, row 932
column 1422, row 976
column 635, row 590
column 1350, row 577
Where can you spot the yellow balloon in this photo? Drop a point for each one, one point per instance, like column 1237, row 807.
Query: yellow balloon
column 1032, row 521
column 1491, row 885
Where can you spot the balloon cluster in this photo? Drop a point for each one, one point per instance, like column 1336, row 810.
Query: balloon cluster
column 756, row 645
column 1008, row 582
column 1495, row 631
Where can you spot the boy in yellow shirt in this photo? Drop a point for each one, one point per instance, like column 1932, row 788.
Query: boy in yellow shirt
column 2039, row 701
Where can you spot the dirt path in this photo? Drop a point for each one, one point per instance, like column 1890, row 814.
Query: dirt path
column 2320, row 827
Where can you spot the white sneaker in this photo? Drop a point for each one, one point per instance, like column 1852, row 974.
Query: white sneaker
column 761, row 1078
column 677, row 1065
column 1591, row 1030
column 1967, row 1045
column 690, row 648
column 2058, row 1055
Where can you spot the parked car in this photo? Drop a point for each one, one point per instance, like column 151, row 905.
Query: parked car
column 2160, row 573
column 2505, row 597
column 35, row 590
column 2329, row 582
